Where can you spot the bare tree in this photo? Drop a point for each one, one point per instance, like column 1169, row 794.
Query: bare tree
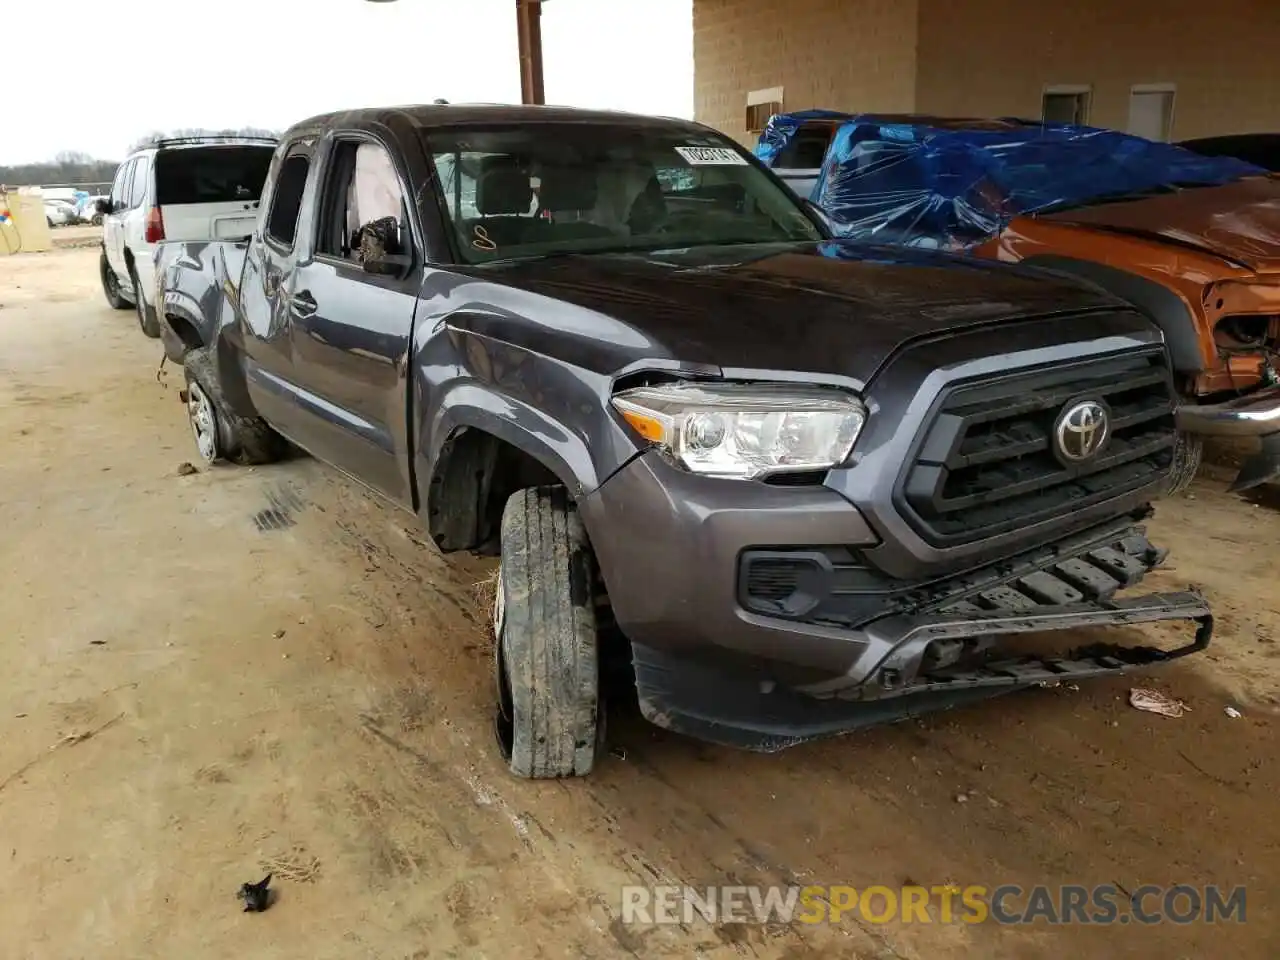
column 75, row 166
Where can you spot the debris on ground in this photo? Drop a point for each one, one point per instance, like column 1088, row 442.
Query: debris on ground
column 186, row 469
column 278, row 635
column 256, row 896
column 295, row 865
column 1233, row 713
column 1153, row 701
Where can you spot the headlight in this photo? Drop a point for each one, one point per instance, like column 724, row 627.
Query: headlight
column 743, row 431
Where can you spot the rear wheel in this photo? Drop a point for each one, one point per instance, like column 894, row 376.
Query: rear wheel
column 549, row 721
column 219, row 432
column 1188, row 450
column 147, row 319
column 111, row 285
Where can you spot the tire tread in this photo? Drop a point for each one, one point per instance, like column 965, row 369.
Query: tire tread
column 549, row 635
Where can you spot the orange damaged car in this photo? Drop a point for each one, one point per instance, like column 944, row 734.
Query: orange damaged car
column 1193, row 241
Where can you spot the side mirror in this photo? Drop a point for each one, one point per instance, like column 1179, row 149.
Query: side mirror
column 389, row 265
column 381, row 254
column 817, row 213
column 102, row 206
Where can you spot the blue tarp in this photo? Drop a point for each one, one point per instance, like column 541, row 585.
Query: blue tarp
column 781, row 130
column 955, row 186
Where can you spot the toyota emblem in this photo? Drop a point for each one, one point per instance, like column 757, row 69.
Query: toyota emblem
column 1082, row 431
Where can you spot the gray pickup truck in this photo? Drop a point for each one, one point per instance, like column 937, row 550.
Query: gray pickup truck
column 797, row 486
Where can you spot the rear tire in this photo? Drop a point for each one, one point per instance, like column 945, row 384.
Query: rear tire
column 111, row 285
column 549, row 718
column 148, row 322
column 1188, row 450
column 220, row 433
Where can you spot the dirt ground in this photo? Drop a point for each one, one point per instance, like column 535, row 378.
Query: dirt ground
column 205, row 677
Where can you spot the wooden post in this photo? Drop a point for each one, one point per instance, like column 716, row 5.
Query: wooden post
column 529, row 35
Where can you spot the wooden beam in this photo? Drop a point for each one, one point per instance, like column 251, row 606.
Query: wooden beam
column 529, row 37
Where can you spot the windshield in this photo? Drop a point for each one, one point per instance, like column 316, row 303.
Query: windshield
column 540, row 189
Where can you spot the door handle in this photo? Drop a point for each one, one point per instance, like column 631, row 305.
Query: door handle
column 303, row 304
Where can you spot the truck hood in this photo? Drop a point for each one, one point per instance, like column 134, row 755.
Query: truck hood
column 824, row 308
column 1237, row 221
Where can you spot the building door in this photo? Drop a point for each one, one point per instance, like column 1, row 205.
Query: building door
column 1151, row 113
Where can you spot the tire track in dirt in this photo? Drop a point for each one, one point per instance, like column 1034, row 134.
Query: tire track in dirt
column 1056, row 791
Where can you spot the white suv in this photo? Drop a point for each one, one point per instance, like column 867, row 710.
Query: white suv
column 189, row 188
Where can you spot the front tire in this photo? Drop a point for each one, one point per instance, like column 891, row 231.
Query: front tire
column 1188, row 450
column 219, row 432
column 111, row 285
column 549, row 718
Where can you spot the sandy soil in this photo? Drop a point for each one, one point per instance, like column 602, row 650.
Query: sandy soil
column 206, row 677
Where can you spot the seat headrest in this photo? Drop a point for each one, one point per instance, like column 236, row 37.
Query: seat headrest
column 503, row 187
column 568, row 188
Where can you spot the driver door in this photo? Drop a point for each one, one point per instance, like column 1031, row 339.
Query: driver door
column 352, row 322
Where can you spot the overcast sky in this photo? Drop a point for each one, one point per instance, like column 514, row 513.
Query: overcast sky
column 268, row 63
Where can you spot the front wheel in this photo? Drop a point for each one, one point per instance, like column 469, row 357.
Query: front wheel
column 221, row 433
column 549, row 718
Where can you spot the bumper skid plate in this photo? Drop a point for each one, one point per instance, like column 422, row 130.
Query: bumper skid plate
column 754, row 714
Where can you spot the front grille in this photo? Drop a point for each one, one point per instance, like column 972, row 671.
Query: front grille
column 987, row 464
column 835, row 586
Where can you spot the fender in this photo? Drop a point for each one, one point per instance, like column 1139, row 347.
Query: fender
column 182, row 327
column 1169, row 311
column 527, row 429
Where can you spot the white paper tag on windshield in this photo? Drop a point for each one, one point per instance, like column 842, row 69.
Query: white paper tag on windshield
column 711, row 157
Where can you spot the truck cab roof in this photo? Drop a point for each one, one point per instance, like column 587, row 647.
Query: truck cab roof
column 453, row 114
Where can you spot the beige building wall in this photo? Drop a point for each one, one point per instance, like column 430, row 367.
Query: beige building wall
column 838, row 53
column 991, row 57
column 996, row 57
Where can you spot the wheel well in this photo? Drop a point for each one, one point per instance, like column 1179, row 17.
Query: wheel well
column 185, row 329
column 475, row 475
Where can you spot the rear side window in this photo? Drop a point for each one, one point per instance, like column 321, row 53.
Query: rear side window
column 141, row 171
column 806, row 149
column 230, row 174
column 286, row 203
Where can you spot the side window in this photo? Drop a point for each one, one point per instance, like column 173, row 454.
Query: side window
column 363, row 204
column 286, row 199
column 138, row 190
column 120, row 186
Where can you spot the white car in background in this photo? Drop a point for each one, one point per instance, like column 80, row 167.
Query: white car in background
column 59, row 213
column 87, row 210
column 186, row 189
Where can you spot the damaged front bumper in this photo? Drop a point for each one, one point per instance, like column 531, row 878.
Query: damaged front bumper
column 941, row 656
column 1255, row 414
column 755, row 714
